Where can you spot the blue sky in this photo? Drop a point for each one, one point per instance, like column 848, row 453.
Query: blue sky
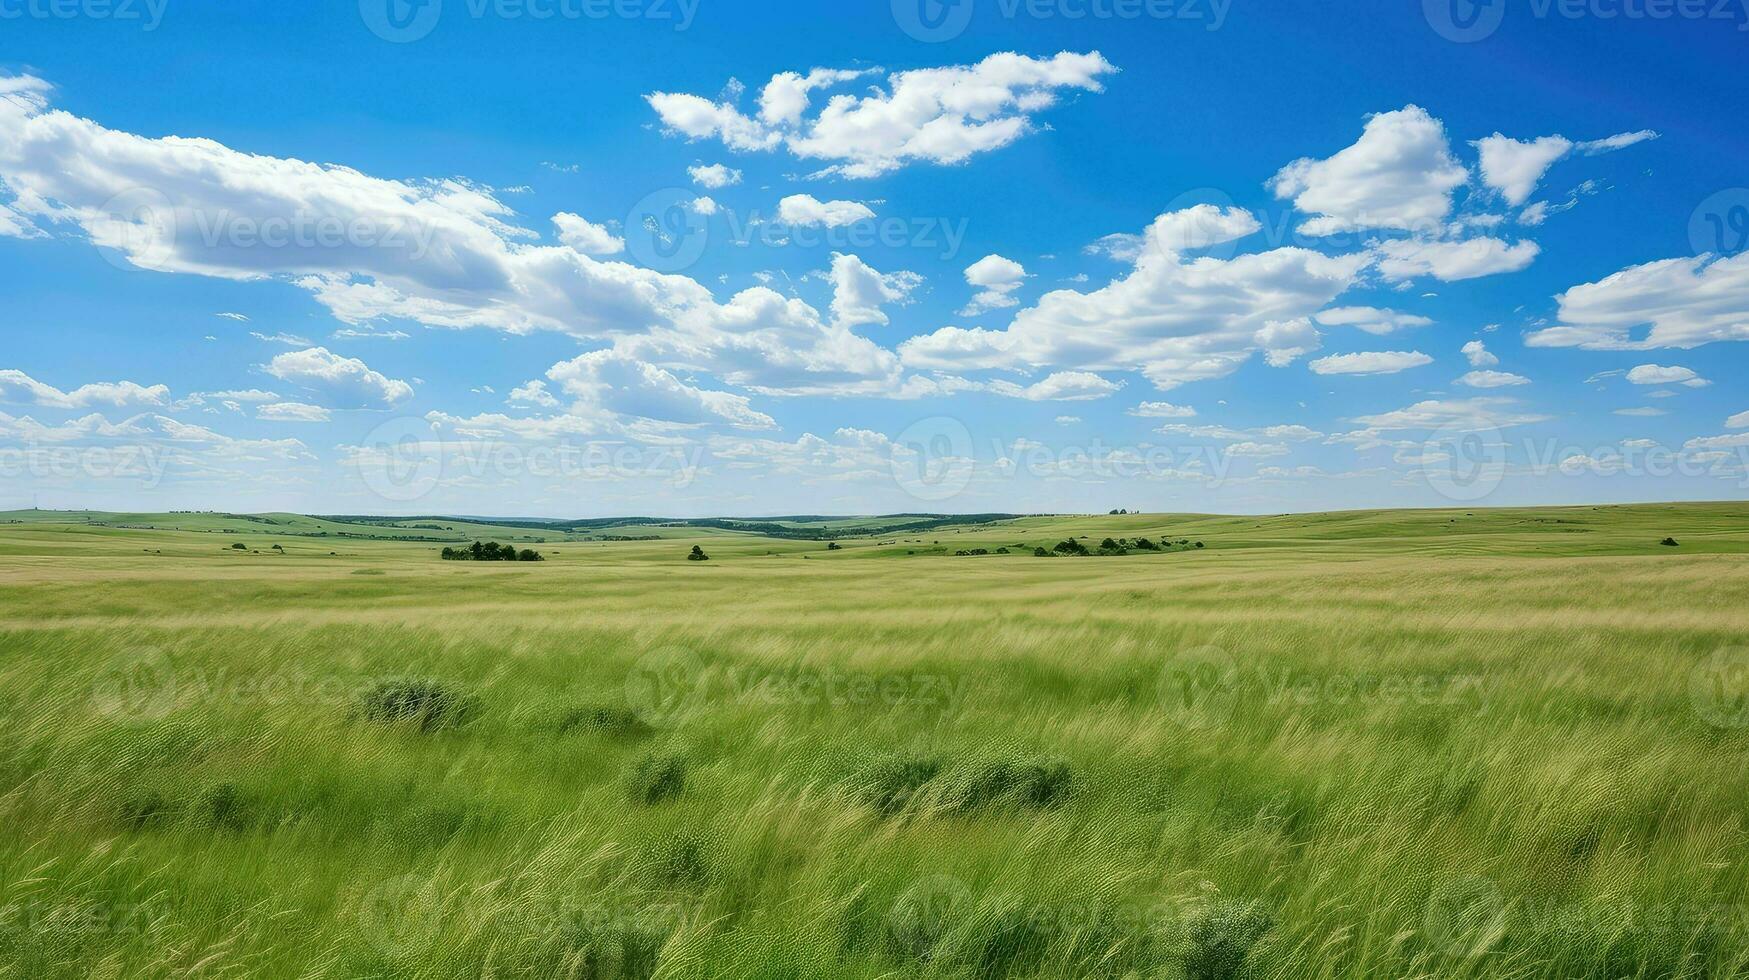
column 569, row 258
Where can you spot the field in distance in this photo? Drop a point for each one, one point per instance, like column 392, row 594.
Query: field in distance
column 1463, row 743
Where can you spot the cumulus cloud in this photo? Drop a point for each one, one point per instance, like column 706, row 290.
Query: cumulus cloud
column 608, row 384
column 21, row 388
column 1492, row 379
column 443, row 253
column 1515, row 167
column 1451, row 261
column 859, row 291
column 1657, row 374
column 806, row 211
column 1369, row 319
column 1682, row 303
column 587, row 237
column 1370, row 362
column 344, row 382
column 937, row 115
column 1162, row 410
column 1173, row 318
column 1400, row 174
column 1479, row 357
column 1738, row 421
column 996, row 278
column 713, row 176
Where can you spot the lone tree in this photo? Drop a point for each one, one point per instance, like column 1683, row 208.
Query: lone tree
column 698, row 554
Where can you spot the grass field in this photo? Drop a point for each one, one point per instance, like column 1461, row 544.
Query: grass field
column 1432, row 744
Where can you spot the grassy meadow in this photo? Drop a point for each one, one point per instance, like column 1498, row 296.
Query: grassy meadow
column 1412, row 744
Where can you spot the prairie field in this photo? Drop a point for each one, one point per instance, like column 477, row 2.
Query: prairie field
column 1432, row 744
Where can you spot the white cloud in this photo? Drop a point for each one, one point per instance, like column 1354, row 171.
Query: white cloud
column 1492, row 379
column 1370, row 362
column 1514, row 167
column 21, row 388
column 1399, row 174
column 806, row 211
column 859, row 291
column 1478, row 355
column 345, row 382
column 1067, row 419
column 243, row 395
column 1452, row 261
column 938, row 115
column 1685, row 302
column 608, row 383
column 1175, row 319
column 1644, row 413
column 1616, row 142
column 706, row 206
column 587, row 237
column 1369, row 319
column 1657, row 374
column 996, row 278
column 1162, row 410
column 714, row 176
column 1471, row 414
column 1256, row 450
column 1738, row 421
column 1063, row 386
column 533, row 393
column 292, row 412
column 442, row 253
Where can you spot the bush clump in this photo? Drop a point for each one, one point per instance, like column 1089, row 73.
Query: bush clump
column 429, row 704
column 605, row 720
column 1029, row 784
column 1070, row 546
column 1669, row 543
column 491, row 551
column 697, row 554
column 656, row 777
column 891, row 783
column 1220, row 939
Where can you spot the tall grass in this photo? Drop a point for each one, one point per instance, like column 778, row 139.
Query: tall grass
column 1289, row 756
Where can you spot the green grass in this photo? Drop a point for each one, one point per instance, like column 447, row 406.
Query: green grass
column 1488, row 743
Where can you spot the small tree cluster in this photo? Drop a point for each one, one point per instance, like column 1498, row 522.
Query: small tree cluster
column 491, row 551
column 697, row 554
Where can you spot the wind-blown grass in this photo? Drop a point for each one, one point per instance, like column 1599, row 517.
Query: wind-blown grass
column 1439, row 744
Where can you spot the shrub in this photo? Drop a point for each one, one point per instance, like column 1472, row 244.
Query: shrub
column 1002, row 551
column 891, row 783
column 656, row 778
column 221, row 807
column 678, row 861
column 239, row 546
column 1669, row 543
column 1199, row 544
column 697, row 554
column 142, row 810
column 620, row 723
column 1221, row 938
column 429, row 703
column 1040, row 553
column 1070, row 546
column 1027, row 783
column 1145, row 545
column 834, row 546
